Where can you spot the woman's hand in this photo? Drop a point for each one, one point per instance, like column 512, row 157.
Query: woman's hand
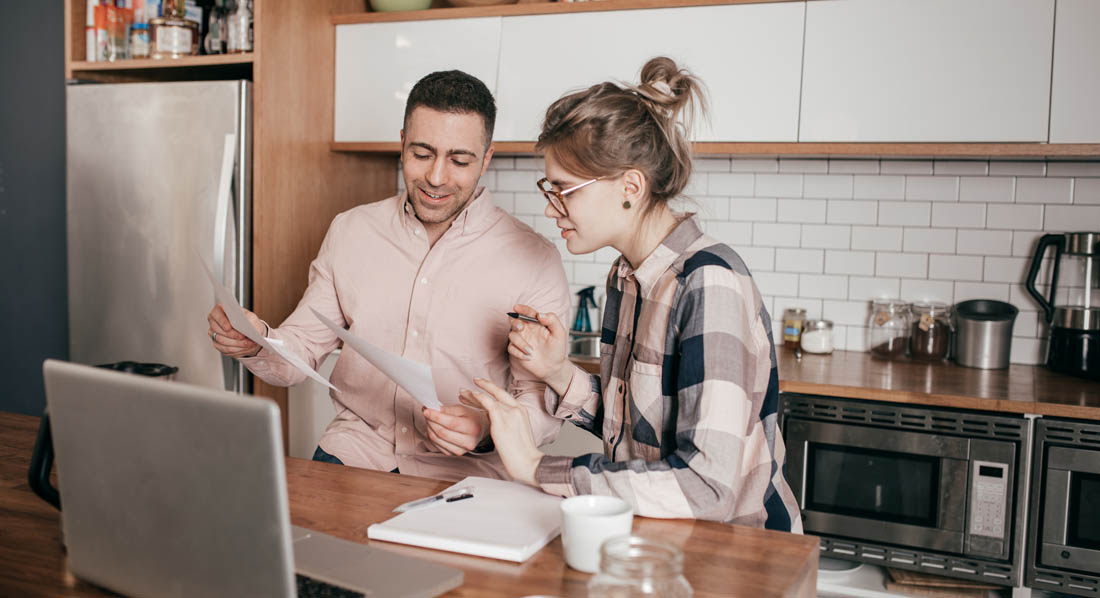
column 510, row 428
column 542, row 348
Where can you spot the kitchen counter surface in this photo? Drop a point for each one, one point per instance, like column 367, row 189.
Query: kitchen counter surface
column 857, row 375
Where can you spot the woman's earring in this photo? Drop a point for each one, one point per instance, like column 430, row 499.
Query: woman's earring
column 626, row 204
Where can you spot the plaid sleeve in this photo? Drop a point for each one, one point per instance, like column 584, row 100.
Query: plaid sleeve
column 718, row 466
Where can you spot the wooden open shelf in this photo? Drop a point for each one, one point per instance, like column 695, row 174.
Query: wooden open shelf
column 909, row 150
column 187, row 68
column 166, row 63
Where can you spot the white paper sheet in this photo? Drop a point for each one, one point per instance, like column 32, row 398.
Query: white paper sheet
column 415, row 378
column 237, row 318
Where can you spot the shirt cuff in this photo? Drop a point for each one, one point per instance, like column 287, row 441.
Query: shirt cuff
column 263, row 353
column 576, row 394
column 554, row 475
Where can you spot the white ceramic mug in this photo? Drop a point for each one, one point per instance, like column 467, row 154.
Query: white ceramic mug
column 588, row 520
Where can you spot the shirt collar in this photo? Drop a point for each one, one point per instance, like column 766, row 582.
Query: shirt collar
column 476, row 216
column 667, row 252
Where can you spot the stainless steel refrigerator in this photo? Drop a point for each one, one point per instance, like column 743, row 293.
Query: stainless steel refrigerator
column 158, row 175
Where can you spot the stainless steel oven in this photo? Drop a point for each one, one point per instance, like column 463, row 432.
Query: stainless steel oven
column 1064, row 535
column 935, row 490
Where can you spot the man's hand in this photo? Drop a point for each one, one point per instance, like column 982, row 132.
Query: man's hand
column 227, row 340
column 456, row 429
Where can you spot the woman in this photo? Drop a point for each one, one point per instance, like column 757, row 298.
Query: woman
column 687, row 393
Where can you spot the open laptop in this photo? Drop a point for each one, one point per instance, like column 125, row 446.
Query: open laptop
column 169, row 489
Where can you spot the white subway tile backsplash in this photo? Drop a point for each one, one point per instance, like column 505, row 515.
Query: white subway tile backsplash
column 932, row 188
column 1018, row 296
column 862, row 288
column 731, row 233
column 878, row 187
column 812, row 306
column 758, row 209
column 535, row 163
column 849, row 262
column 606, row 255
column 1086, row 191
column 1031, row 351
column 876, row 238
column 740, row 184
column 980, row 290
column 503, row 163
column 902, row 265
column 958, row 215
column 826, row 236
column 754, row 165
column 710, row 208
column 590, row 274
column 776, row 235
column 1005, row 269
column 827, row 186
column 929, row 240
column 954, row 267
column 1014, row 217
column 799, row 260
column 906, row 167
column 777, row 283
column 928, row 290
column 852, row 212
column 533, row 204
column 711, row 164
column 1027, row 324
column 1044, row 190
column 849, row 313
column 857, row 338
column 987, row 189
column 904, row 213
column 756, row 258
column 842, row 166
column 823, row 286
column 1024, row 242
column 1073, row 169
column 515, row 180
column 779, row 185
column 961, row 167
column 801, row 210
column 1013, row 168
column 1072, row 218
column 985, row 242
column 800, row 165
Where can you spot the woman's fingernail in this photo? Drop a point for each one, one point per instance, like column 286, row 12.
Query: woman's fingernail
column 528, row 351
column 519, row 326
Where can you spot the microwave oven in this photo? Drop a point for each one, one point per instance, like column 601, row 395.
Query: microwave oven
column 937, row 490
column 1064, row 529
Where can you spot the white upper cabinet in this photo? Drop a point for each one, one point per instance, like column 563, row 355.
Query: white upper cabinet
column 749, row 57
column 1075, row 96
column 378, row 63
column 928, row 70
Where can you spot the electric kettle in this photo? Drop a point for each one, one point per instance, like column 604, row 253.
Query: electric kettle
column 1072, row 304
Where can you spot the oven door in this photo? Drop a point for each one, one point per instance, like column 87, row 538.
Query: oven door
column 885, row 485
column 1071, row 510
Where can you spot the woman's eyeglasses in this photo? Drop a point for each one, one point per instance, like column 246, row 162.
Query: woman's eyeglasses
column 557, row 198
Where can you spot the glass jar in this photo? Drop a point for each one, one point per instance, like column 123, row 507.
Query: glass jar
column 793, row 317
column 817, row 336
column 930, row 332
column 139, row 41
column 636, row 567
column 888, row 329
column 173, row 35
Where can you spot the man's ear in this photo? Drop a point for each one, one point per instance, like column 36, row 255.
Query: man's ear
column 402, row 135
column 488, row 158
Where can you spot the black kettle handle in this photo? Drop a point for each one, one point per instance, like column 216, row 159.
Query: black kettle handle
column 41, row 463
column 1045, row 241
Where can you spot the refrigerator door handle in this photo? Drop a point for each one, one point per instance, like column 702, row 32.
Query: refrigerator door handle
column 221, row 212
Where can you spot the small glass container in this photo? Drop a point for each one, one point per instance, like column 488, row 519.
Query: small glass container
column 139, row 41
column 793, row 318
column 930, row 332
column 172, row 35
column 817, row 337
column 888, row 329
column 637, row 567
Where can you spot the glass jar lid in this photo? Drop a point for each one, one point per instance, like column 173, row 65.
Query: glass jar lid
column 932, row 308
column 891, row 305
column 637, row 556
column 817, row 325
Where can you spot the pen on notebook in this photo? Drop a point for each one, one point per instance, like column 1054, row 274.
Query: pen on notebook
column 523, row 318
column 450, row 495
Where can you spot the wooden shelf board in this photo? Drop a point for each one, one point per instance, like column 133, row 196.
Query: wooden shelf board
column 532, row 8
column 167, row 63
column 962, row 150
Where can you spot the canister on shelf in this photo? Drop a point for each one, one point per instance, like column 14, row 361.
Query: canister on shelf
column 817, row 336
column 793, row 317
column 888, row 328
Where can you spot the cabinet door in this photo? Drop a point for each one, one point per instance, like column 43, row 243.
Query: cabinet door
column 749, row 57
column 377, row 65
column 927, row 70
column 1075, row 96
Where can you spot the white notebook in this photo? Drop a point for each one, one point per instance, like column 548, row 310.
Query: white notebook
column 503, row 520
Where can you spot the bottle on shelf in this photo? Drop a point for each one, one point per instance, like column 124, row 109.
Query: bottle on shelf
column 239, row 24
column 173, row 35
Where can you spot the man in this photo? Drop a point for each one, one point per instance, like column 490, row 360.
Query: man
column 428, row 274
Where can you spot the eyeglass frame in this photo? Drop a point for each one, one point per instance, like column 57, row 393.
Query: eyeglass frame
column 557, row 198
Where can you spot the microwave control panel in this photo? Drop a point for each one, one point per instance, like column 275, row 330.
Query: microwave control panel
column 988, row 497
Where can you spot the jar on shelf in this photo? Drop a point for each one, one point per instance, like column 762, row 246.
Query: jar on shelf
column 930, row 331
column 173, row 35
column 888, row 329
column 793, row 317
column 817, row 336
column 637, row 567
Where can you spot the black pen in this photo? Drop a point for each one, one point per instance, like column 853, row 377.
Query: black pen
column 523, row 318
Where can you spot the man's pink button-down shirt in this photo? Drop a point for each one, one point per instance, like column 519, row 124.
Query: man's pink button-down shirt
column 444, row 306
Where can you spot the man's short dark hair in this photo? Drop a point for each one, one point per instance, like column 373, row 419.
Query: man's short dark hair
column 454, row 91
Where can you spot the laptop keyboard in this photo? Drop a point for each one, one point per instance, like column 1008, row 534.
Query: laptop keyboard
column 312, row 588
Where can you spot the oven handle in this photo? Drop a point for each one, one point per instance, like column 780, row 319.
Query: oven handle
column 893, row 440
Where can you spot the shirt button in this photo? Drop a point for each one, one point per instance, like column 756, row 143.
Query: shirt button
column 415, row 333
column 404, row 429
column 423, row 281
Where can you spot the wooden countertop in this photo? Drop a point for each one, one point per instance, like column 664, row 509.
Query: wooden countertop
column 857, row 375
column 720, row 560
